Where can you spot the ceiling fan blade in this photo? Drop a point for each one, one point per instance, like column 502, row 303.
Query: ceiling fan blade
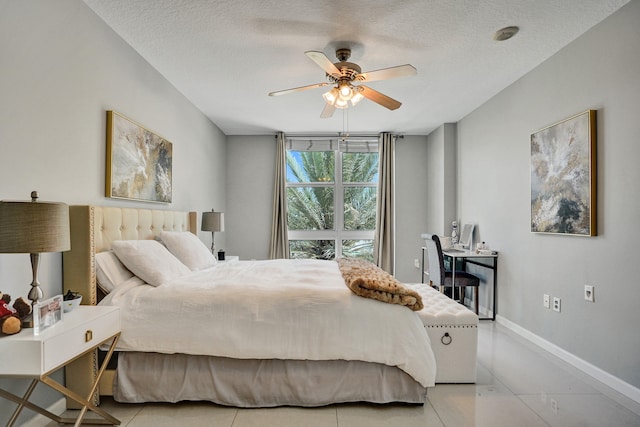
column 297, row 89
column 377, row 97
column 324, row 62
column 387, row 73
column 327, row 111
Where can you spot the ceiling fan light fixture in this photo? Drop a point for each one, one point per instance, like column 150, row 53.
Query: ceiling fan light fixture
column 341, row 103
column 336, row 98
column 357, row 97
column 345, row 90
column 331, row 96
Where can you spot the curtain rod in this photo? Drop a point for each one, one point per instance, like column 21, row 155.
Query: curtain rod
column 315, row 136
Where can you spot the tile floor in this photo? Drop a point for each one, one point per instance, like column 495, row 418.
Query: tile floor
column 519, row 384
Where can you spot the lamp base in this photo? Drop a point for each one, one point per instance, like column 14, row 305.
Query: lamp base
column 27, row 322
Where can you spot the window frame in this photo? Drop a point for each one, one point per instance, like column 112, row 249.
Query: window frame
column 338, row 234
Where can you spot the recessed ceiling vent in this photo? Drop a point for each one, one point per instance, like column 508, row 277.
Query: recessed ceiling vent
column 505, row 33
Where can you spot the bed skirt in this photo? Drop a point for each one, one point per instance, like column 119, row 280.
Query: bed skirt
column 249, row 383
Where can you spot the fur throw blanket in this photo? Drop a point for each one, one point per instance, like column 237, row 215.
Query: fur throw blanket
column 370, row 281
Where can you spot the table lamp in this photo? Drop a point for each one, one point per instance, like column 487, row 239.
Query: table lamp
column 34, row 227
column 212, row 221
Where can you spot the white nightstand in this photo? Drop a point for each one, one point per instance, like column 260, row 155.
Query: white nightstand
column 26, row 355
column 230, row 258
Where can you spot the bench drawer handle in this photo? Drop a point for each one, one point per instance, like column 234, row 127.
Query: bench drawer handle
column 446, row 339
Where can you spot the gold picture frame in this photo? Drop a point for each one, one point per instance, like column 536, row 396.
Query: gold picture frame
column 563, row 177
column 139, row 162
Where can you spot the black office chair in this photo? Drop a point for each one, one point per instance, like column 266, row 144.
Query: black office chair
column 441, row 278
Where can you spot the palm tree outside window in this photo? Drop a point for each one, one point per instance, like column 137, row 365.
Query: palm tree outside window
column 331, row 197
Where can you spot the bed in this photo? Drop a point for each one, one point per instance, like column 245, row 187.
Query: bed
column 376, row 358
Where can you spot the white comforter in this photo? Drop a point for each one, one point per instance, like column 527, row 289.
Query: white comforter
column 278, row 309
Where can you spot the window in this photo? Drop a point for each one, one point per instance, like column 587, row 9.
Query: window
column 331, row 197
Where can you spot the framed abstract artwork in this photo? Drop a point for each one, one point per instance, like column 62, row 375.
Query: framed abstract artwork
column 138, row 162
column 563, row 177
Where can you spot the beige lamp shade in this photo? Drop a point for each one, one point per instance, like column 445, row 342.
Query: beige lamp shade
column 212, row 221
column 34, row 227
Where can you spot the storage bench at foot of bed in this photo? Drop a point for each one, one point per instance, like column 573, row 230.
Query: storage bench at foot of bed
column 453, row 331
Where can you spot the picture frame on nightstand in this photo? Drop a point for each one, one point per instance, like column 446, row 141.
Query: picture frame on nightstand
column 47, row 313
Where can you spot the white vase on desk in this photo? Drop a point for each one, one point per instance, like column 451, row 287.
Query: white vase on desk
column 454, row 233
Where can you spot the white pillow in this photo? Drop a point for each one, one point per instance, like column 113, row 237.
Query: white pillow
column 149, row 260
column 189, row 249
column 110, row 272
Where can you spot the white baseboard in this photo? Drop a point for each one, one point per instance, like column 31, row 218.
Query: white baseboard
column 58, row 407
column 604, row 377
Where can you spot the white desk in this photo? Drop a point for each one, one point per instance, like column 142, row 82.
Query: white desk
column 25, row 355
column 472, row 257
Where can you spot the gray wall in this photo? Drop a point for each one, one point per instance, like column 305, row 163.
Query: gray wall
column 411, row 205
column 440, row 161
column 597, row 71
column 250, row 169
column 62, row 68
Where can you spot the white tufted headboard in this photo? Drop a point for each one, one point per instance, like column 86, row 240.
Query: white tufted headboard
column 93, row 228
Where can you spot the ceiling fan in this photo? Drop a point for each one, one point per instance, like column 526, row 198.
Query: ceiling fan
column 342, row 74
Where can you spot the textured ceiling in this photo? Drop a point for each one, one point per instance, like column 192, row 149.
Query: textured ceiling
column 227, row 55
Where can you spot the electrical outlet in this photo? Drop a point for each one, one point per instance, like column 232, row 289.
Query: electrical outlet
column 588, row 293
column 416, row 262
column 556, row 304
column 547, row 301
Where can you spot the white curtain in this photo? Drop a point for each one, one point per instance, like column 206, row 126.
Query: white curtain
column 279, row 247
column 384, row 242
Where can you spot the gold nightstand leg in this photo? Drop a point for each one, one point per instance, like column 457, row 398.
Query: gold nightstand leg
column 24, row 402
column 85, row 402
column 25, row 398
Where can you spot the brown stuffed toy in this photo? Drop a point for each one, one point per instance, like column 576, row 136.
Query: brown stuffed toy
column 11, row 317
